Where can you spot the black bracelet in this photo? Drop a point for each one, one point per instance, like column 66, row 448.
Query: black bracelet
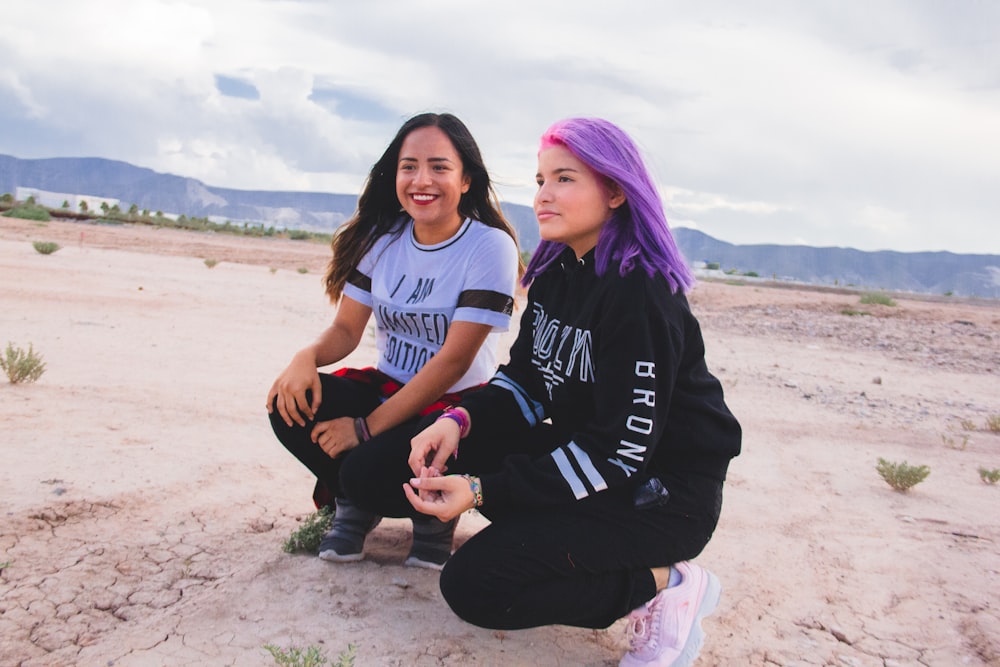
column 361, row 430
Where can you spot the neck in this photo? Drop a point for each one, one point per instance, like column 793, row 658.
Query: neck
column 432, row 234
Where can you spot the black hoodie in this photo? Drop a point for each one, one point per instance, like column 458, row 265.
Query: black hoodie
column 617, row 364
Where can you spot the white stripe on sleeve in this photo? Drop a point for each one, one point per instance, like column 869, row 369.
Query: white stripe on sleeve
column 587, row 466
column 566, row 470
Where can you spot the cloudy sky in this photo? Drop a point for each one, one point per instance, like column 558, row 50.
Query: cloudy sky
column 873, row 125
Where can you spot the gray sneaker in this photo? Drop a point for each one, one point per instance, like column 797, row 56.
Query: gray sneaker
column 431, row 543
column 345, row 541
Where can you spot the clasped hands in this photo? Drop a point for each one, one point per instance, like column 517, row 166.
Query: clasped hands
column 431, row 491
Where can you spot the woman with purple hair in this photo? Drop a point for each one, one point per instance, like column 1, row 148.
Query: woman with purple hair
column 600, row 450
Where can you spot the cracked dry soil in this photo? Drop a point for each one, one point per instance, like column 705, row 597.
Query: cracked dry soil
column 143, row 500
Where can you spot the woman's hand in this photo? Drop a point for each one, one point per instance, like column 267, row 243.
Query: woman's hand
column 443, row 497
column 433, row 446
column 290, row 390
column 335, row 436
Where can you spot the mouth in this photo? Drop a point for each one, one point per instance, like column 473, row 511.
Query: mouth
column 544, row 214
column 423, row 198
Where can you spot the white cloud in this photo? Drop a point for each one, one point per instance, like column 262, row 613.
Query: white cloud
column 687, row 201
column 881, row 222
column 874, row 126
column 10, row 80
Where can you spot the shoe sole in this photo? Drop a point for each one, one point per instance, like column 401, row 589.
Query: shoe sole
column 413, row 561
column 696, row 638
column 332, row 556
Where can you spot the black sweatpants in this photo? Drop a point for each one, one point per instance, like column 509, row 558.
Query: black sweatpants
column 584, row 563
column 342, row 397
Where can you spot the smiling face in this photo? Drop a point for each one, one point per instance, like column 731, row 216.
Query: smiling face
column 430, row 182
column 573, row 202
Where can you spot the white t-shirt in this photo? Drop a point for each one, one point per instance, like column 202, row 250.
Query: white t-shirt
column 416, row 291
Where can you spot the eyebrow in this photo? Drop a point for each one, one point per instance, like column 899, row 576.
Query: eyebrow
column 560, row 170
column 430, row 159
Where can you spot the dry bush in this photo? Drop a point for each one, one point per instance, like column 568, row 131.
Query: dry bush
column 45, row 247
column 989, row 476
column 21, row 366
column 901, row 476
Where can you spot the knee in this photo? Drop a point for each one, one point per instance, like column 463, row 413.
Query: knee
column 278, row 425
column 278, row 422
column 461, row 586
column 296, row 439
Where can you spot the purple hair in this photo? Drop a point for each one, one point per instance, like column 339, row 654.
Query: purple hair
column 637, row 233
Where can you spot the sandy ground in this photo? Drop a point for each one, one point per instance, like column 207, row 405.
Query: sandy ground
column 144, row 500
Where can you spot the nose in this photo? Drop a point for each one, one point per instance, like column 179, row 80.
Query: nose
column 542, row 194
column 422, row 176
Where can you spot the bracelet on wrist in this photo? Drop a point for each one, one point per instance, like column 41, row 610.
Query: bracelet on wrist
column 476, row 486
column 460, row 417
column 361, row 429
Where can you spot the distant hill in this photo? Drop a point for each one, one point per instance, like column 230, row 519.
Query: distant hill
column 312, row 211
column 925, row 272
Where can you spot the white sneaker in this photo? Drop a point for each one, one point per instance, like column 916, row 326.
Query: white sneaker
column 666, row 631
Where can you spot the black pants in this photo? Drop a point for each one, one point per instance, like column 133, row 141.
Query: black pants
column 583, row 563
column 342, row 397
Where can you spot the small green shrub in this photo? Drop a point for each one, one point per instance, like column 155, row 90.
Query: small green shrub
column 29, row 212
column 211, row 262
column 21, row 366
column 877, row 298
column 967, row 425
column 989, row 476
column 310, row 656
column 901, row 476
column 298, row 234
column 303, row 269
column 45, row 247
column 713, row 266
column 850, row 312
column 308, row 536
column 347, row 657
column 961, row 442
column 993, row 423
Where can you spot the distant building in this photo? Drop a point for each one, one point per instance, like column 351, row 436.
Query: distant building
column 56, row 199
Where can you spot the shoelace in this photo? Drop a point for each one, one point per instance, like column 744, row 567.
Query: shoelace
column 638, row 628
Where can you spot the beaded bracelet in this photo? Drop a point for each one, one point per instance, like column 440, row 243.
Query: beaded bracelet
column 361, row 430
column 476, row 486
column 460, row 417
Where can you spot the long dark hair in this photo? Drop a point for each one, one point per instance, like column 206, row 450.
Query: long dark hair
column 636, row 235
column 379, row 208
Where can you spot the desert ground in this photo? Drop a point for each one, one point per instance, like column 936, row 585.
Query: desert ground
column 144, row 499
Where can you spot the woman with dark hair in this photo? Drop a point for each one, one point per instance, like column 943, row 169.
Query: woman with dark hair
column 600, row 450
column 429, row 252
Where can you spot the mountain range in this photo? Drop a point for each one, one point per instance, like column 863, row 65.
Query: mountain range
column 921, row 272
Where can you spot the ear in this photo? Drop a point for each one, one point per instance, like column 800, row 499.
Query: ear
column 466, row 183
column 616, row 196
